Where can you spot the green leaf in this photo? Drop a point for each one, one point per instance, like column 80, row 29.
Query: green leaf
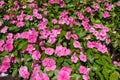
column 22, row 45
column 3, row 53
column 14, row 73
column 114, row 76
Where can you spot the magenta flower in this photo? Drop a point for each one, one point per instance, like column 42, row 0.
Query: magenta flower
column 23, row 71
column 83, row 57
column 49, row 51
column 20, row 24
column 106, row 14
column 36, row 55
column 49, row 64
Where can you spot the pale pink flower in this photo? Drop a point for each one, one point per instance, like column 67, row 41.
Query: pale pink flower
column 98, row 1
column 33, row 34
column 76, row 44
column 49, row 64
column 102, row 48
column 30, row 48
column 83, row 57
column 2, row 42
column 83, row 70
column 1, row 23
column 36, row 55
column 30, row 1
column 88, row 37
column 4, row 30
column 74, row 58
column 35, row 12
column 20, row 24
column 41, row 26
column 35, row 76
column 63, row 75
column 38, row 16
column 52, row 40
column 66, row 69
column 16, row 36
column 49, row 51
column 106, row 14
column 24, row 35
column 23, row 71
column 74, row 36
column 118, row 3
column 107, row 41
column 80, row 15
column 44, row 76
column 6, row 17
column 86, row 77
column 62, row 51
column 29, row 17
column 90, row 44
column 51, row 1
column 68, row 35
column 88, row 9
column 36, row 69
column 54, row 21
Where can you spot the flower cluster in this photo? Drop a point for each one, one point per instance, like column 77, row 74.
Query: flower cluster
column 57, row 39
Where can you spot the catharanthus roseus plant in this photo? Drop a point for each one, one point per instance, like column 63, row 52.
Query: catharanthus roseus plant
column 60, row 39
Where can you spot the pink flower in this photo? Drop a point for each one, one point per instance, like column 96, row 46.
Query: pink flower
column 49, row 51
column 66, row 69
column 76, row 44
column 106, row 14
column 44, row 76
column 30, row 1
column 107, row 41
column 1, row 23
column 118, row 3
column 36, row 55
column 62, row 51
column 102, row 48
column 51, row 1
column 86, row 77
column 83, row 57
column 52, row 40
column 80, row 15
column 83, row 70
column 90, row 44
column 49, row 64
column 13, row 59
column 6, row 17
column 36, row 69
column 38, row 16
column 74, row 58
column 4, row 30
column 29, row 17
column 30, row 48
column 54, row 21
column 62, row 75
column 68, row 35
column 5, row 64
column 35, row 12
column 20, row 24
column 2, row 42
column 88, row 9
column 41, row 26
column 33, row 34
column 74, row 36
column 23, row 71
column 8, row 47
